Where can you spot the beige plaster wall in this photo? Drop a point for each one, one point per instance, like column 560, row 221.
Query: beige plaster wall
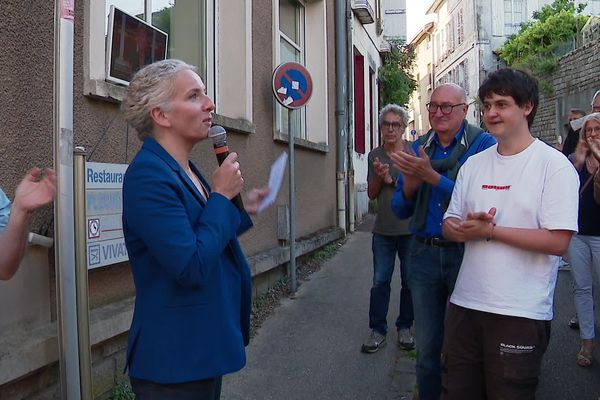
column 26, row 87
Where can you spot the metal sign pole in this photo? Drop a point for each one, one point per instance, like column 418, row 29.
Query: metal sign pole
column 64, row 224
column 292, row 194
column 81, row 275
column 292, row 88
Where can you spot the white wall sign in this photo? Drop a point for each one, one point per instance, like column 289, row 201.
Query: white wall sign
column 104, row 206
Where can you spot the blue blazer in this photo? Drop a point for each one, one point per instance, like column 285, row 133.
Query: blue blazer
column 193, row 284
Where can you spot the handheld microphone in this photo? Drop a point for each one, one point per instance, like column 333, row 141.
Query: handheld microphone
column 219, row 138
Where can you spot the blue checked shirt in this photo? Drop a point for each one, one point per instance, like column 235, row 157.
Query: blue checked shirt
column 4, row 210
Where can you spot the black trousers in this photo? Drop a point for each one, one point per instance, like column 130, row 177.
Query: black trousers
column 206, row 389
column 491, row 356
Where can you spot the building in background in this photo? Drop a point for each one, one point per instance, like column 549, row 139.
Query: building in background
column 466, row 35
column 422, row 44
column 366, row 31
column 394, row 19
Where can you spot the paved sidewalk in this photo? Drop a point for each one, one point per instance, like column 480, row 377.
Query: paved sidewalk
column 310, row 347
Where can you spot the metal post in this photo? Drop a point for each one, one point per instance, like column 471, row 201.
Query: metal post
column 64, row 236
column 81, row 272
column 341, row 71
column 292, row 193
column 350, row 108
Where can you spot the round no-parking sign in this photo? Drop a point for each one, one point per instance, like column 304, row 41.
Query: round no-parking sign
column 292, row 85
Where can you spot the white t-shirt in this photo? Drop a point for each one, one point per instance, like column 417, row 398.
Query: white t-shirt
column 536, row 189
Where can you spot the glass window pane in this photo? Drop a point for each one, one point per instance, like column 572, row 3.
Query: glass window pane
column 184, row 21
column 288, row 52
column 296, row 127
column 288, row 19
column 161, row 18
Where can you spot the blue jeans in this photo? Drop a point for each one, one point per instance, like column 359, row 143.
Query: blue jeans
column 385, row 248
column 433, row 272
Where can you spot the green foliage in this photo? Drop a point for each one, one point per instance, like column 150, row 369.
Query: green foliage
column 395, row 80
column 539, row 43
column 326, row 252
column 162, row 19
column 122, row 390
column 557, row 6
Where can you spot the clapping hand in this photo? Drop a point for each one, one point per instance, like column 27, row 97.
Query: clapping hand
column 37, row 189
column 418, row 167
column 478, row 225
column 594, row 146
column 383, row 171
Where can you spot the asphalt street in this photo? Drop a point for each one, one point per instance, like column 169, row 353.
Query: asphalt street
column 561, row 377
column 310, row 347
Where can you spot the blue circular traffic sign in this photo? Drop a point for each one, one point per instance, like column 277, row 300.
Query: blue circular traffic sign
column 292, row 85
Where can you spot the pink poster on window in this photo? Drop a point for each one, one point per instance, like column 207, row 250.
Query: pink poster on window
column 67, row 9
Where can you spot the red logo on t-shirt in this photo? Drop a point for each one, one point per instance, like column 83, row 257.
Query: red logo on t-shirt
column 495, row 187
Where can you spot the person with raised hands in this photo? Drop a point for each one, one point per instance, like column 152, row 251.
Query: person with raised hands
column 37, row 189
column 514, row 206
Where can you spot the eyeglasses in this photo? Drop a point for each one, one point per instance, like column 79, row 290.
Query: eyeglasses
column 394, row 125
column 595, row 129
column 445, row 108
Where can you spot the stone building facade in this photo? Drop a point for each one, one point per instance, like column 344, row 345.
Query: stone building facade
column 574, row 82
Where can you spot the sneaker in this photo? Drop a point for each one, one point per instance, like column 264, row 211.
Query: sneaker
column 574, row 322
column 405, row 339
column 373, row 342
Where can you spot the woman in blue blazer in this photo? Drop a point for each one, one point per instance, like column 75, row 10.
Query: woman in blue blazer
column 193, row 285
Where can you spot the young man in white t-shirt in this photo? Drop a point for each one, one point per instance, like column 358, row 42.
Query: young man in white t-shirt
column 515, row 207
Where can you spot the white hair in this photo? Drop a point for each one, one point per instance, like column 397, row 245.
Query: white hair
column 152, row 86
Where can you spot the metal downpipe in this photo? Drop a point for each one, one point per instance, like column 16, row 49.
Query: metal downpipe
column 341, row 113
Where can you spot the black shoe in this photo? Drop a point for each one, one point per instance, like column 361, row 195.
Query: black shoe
column 574, row 322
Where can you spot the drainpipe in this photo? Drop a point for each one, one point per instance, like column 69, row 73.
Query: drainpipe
column 350, row 141
column 341, row 115
column 64, row 222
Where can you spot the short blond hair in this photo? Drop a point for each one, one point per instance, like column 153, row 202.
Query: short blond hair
column 152, row 86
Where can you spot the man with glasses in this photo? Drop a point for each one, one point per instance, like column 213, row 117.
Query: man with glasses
column 423, row 192
column 391, row 236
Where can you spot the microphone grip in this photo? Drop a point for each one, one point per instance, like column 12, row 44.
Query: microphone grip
column 222, row 153
column 222, row 156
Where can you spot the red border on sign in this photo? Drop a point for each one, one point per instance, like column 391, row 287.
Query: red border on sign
column 281, row 71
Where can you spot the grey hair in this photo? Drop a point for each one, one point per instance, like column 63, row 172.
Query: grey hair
column 594, row 97
column 394, row 109
column 588, row 118
column 152, row 86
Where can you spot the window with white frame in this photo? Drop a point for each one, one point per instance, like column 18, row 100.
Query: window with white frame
column 186, row 22
column 300, row 34
column 460, row 28
column 290, row 45
column 234, row 60
column 450, row 37
column 514, row 16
